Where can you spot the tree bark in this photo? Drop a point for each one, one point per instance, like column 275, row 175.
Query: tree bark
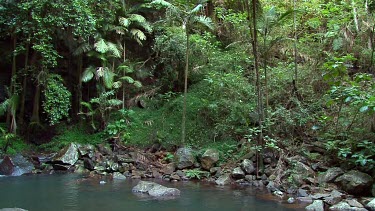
column 183, row 127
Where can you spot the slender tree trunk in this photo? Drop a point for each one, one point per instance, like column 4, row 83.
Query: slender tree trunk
column 24, row 85
column 123, row 75
column 35, row 116
column 12, row 81
column 79, row 89
column 258, row 84
column 295, row 44
column 355, row 16
column 183, row 127
column 265, row 55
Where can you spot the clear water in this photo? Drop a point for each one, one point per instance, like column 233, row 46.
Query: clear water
column 73, row 192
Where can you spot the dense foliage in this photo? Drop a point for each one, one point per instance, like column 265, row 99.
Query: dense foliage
column 275, row 75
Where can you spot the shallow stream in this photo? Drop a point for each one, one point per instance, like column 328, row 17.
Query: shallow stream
column 72, row 192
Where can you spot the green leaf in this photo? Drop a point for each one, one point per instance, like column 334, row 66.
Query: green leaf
column 108, row 78
column 128, row 79
column 101, row 46
column 363, row 109
column 124, row 22
column 88, row 74
column 137, row 84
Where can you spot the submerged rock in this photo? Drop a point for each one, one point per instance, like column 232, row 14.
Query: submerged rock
column 118, row 176
column 185, row 158
column 155, row 190
column 12, row 209
column 355, row 182
column 209, row 158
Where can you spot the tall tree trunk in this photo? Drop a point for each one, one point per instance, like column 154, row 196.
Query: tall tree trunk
column 35, row 116
column 355, row 16
column 79, row 89
column 295, row 44
column 258, row 84
column 183, row 127
column 12, row 81
column 123, row 75
column 24, row 85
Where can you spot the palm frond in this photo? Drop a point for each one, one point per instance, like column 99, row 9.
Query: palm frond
column 127, row 79
column 4, row 107
column 83, row 48
column 108, row 78
column 204, row 21
column 137, row 18
column 161, row 3
column 114, row 102
column 88, row 74
column 101, row 46
column 138, row 35
column 125, row 68
column 196, row 9
column 87, row 105
column 137, row 84
column 125, row 22
column 114, row 49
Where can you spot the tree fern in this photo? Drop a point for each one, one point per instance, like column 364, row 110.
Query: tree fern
column 101, row 46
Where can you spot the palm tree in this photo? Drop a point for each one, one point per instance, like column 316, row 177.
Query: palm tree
column 130, row 26
column 189, row 20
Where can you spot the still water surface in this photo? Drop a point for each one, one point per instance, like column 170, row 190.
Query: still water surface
column 74, row 193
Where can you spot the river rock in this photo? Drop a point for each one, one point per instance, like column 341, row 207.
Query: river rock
column 223, row 180
column 86, row 150
column 248, row 166
column 68, row 155
column 330, row 175
column 118, row 176
column 303, row 169
column 237, row 173
column 355, row 182
column 185, row 158
column 371, row 205
column 88, row 164
column 317, row 205
column 6, row 166
column 343, row 206
column 105, row 149
column 209, row 158
column 155, row 190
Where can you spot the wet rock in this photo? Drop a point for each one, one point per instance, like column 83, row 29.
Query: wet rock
column 355, row 182
column 223, row 180
column 87, row 150
column 306, row 199
column 317, row 205
column 248, row 166
column 209, row 158
column 169, row 168
column 320, row 195
column 68, row 155
column 185, row 158
column 215, row 170
column 343, row 206
column 354, row 203
column 174, row 176
column 105, row 149
column 272, row 187
column 371, row 205
column 330, row 175
column 118, row 176
column 291, row 200
column 237, row 173
column 6, row 166
column 88, row 164
column 278, row 193
column 155, row 190
column 303, row 169
column 250, row 178
column 302, row 192
column 124, row 159
column 332, row 200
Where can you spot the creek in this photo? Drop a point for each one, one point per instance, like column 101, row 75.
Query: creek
column 72, row 192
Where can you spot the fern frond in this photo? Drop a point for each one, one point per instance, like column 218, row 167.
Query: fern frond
column 114, row 49
column 125, row 68
column 196, row 9
column 117, row 84
column 137, row 18
column 138, row 35
column 83, row 48
column 88, row 74
column 4, row 107
column 87, row 105
column 125, row 22
column 161, row 3
column 114, row 102
column 204, row 21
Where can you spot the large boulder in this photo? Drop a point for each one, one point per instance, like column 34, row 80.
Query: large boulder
column 67, row 156
column 185, row 158
column 317, row 205
column 209, row 158
column 155, row 190
column 87, row 150
column 248, row 166
column 6, row 166
column 355, row 182
column 330, row 175
column 371, row 205
column 344, row 206
column 15, row 166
